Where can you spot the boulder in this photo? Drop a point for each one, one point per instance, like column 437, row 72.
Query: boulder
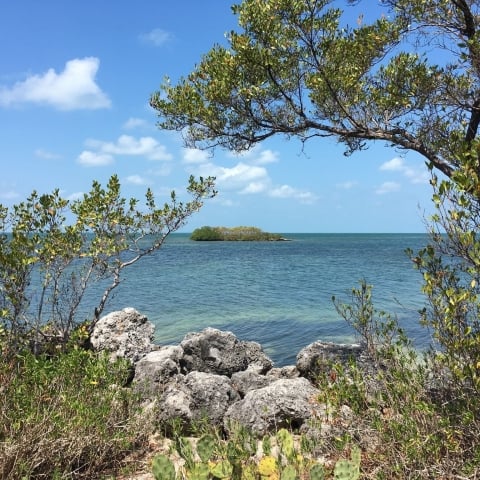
column 317, row 358
column 220, row 352
column 196, row 396
column 250, row 379
column 125, row 333
column 285, row 403
column 156, row 369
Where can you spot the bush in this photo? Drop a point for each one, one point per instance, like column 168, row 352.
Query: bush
column 47, row 264
column 66, row 416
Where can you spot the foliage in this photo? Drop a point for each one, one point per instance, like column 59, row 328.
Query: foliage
column 66, row 416
column 451, row 271
column 300, row 69
column 238, row 458
column 47, row 264
column 233, row 234
column 422, row 421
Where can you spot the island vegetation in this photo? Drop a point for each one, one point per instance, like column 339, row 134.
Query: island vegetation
column 234, row 234
column 410, row 78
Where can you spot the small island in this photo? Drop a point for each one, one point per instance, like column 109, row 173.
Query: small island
column 237, row 234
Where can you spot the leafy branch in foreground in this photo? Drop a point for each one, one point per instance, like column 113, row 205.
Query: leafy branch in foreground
column 408, row 78
column 47, row 265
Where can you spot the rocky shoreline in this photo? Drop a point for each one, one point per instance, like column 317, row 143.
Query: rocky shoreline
column 212, row 374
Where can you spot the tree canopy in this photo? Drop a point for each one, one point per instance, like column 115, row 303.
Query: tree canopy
column 298, row 68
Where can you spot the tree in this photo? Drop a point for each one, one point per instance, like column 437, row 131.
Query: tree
column 410, row 79
column 47, row 264
column 295, row 68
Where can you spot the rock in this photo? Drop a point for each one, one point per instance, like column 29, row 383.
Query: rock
column 250, row 379
column 289, row 371
column 196, row 396
column 316, row 359
column 156, row 369
column 126, row 334
column 216, row 351
column 284, row 403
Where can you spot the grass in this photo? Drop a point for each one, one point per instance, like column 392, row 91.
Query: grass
column 66, row 416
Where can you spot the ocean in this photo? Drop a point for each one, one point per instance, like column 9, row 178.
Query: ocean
column 276, row 293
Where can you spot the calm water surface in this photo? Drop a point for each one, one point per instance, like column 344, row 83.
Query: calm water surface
column 276, row 293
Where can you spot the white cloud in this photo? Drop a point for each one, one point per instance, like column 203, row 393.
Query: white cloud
column 257, row 156
column 156, row 37
column 46, row 155
column 133, row 122
column 387, row 187
column 73, row 88
column 94, row 159
column 255, row 187
column 136, row 180
column 398, row 164
column 395, row 164
column 193, row 155
column 266, row 157
column 286, row 191
column 126, row 145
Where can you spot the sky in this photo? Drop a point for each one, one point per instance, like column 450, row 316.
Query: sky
column 75, row 83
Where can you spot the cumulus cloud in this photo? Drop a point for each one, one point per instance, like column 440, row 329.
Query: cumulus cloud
column 257, row 156
column 94, row 159
column 74, row 88
column 136, row 180
column 156, row 37
column 286, row 191
column 127, row 145
column 193, row 155
column 398, row 164
column 133, row 122
column 247, row 177
column 387, row 187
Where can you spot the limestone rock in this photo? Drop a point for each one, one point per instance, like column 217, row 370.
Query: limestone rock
column 156, row 369
column 284, row 403
column 125, row 333
column 195, row 396
column 250, row 379
column 216, row 351
column 316, row 359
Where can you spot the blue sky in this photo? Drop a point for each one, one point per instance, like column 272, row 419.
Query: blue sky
column 75, row 80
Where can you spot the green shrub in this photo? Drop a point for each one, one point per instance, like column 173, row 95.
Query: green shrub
column 67, row 415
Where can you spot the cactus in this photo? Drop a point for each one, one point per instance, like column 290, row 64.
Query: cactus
column 289, row 473
column 162, row 468
column 345, row 470
column 267, row 466
column 348, row 469
column 222, row 469
column 205, row 447
column 198, row 472
column 185, row 450
column 356, row 456
column 249, row 473
column 285, row 441
column 317, row 472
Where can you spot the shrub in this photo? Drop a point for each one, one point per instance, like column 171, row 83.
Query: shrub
column 66, row 416
column 47, row 264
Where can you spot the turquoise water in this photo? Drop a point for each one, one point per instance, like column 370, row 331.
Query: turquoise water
column 276, row 293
